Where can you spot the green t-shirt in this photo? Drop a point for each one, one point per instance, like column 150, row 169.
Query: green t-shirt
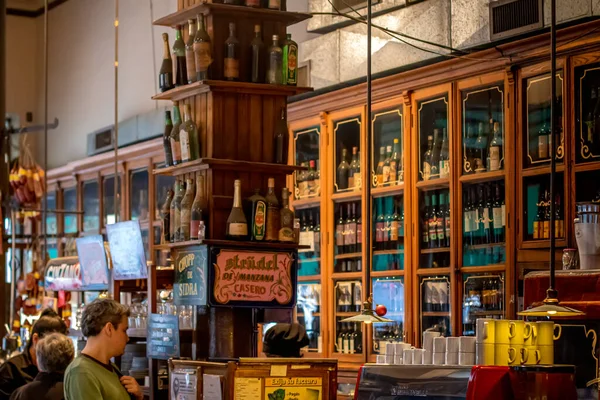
column 87, row 378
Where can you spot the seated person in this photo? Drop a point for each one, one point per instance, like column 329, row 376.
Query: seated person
column 285, row 340
column 54, row 353
column 22, row 369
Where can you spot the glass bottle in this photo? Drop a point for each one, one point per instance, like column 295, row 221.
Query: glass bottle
column 340, row 232
column 258, row 48
column 497, row 216
column 281, row 136
column 232, row 55
column 441, row 229
column 275, row 69
column 237, row 226
column 176, row 212
column 546, row 226
column 167, row 139
column 447, row 219
column 274, row 4
column 394, row 227
column 318, row 179
column 199, row 211
column 543, row 135
column 435, row 155
column 444, row 156
column 290, row 62
column 180, row 69
column 343, row 172
column 301, row 182
column 258, row 214
column 425, row 224
column 175, row 138
column 186, row 209
column 350, row 229
column 433, row 214
column 354, row 165
column 395, row 163
column 165, row 76
column 273, row 217
column 190, row 57
column 379, row 172
column 189, row 137
column 379, row 225
column 312, row 182
column 317, row 235
column 427, row 159
column 481, row 147
column 495, row 151
column 165, row 216
column 286, row 230
column 386, row 165
column 202, row 50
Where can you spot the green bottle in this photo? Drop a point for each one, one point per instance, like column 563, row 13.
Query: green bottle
column 290, row 62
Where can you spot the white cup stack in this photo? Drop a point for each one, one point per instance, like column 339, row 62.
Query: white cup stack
column 428, row 337
column 390, row 353
column 408, row 356
column 452, row 350
column 418, row 356
column 439, row 350
column 466, row 350
column 381, row 359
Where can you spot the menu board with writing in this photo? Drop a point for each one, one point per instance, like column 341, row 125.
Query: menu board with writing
column 300, row 388
column 189, row 287
column 94, row 267
column 247, row 388
column 127, row 250
column 246, row 278
column 63, row 273
column 163, row 336
column 184, row 384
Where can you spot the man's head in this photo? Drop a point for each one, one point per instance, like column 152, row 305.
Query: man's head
column 54, row 353
column 285, row 340
column 105, row 320
column 49, row 322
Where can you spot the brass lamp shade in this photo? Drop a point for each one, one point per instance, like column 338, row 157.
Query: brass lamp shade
column 551, row 308
column 367, row 316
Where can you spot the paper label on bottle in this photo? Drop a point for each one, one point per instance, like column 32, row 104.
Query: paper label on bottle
column 357, row 180
column 190, row 63
column 444, row 168
column 486, row 218
column 176, row 149
column 203, row 56
column 339, row 235
column 447, row 224
column 432, row 229
column 426, row 171
column 386, row 173
column 232, row 68
column 185, row 222
column 317, row 242
column 340, row 345
column 503, row 215
column 358, row 233
column 286, row 235
column 351, row 181
column 272, row 223
column 394, row 231
column 536, row 230
column 317, row 186
column 275, row 4
column 346, row 345
column 542, row 147
column 350, row 237
column 497, row 216
column 393, row 171
column 184, row 138
column 194, row 226
column 468, row 228
column 260, row 213
column 380, row 227
column 307, row 238
column 494, row 158
column 545, row 230
column 292, row 67
column 303, row 188
column 440, row 229
column 351, row 342
column 238, row 229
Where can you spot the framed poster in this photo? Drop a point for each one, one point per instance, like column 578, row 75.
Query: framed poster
column 127, row 250
column 189, row 287
column 163, row 336
column 63, row 273
column 184, row 384
column 94, row 266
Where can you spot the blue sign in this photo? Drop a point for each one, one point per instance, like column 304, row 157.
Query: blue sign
column 163, row 336
column 189, row 287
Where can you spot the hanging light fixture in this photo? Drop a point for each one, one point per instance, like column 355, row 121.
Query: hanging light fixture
column 551, row 306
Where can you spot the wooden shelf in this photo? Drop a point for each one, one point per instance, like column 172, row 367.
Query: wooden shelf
column 483, row 313
column 433, row 271
column 309, row 278
column 346, row 314
column 543, row 243
column 317, row 314
column 309, row 260
column 348, row 256
column 196, row 88
column 588, row 166
column 541, row 170
column 306, row 203
column 231, row 165
column 433, row 184
column 347, row 196
column 339, row 276
column 181, row 17
column 388, row 190
column 387, row 252
column 231, row 243
column 483, row 177
column 387, row 274
column 485, row 246
column 435, row 313
column 483, row 269
column 436, row 250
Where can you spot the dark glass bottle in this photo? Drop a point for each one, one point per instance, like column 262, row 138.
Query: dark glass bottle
column 350, row 230
column 167, row 139
column 273, row 223
column 340, row 234
column 180, row 63
column 165, row 215
column 165, row 76
column 176, row 212
column 258, row 48
column 290, row 61
column 232, row 55
column 275, row 67
column 190, row 58
column 433, row 214
column 425, row 224
column 199, row 217
column 441, row 229
column 202, row 50
column 498, row 216
column 379, row 225
column 447, row 220
column 258, row 215
column 281, row 142
column 175, row 138
column 343, row 172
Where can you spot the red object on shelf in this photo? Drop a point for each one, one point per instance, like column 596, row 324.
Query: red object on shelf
column 381, row 310
column 490, row 383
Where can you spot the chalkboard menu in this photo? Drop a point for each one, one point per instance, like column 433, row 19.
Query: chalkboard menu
column 127, row 250
column 63, row 274
column 189, row 287
column 246, row 278
column 94, row 266
column 163, row 336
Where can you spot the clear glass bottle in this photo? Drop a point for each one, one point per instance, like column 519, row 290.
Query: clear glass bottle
column 275, row 71
column 174, row 138
column 199, row 211
column 286, row 230
column 237, row 225
column 190, row 58
column 189, row 137
column 176, row 212
column 202, row 50
column 180, row 69
column 186, row 209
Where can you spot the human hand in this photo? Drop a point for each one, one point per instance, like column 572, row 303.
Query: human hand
column 131, row 385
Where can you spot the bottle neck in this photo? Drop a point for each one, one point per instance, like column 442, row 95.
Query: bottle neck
column 176, row 115
column 232, row 31
column 237, row 196
column 201, row 26
column 186, row 114
column 200, row 188
column 178, row 34
column 166, row 51
column 191, row 31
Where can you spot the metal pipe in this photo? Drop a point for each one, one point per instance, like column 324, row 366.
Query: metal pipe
column 553, row 142
column 45, row 202
column 4, row 154
column 13, row 275
column 367, row 181
column 116, row 130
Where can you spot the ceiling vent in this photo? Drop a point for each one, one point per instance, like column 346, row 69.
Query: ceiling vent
column 515, row 17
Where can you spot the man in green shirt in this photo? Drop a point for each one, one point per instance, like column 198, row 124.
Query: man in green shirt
column 92, row 375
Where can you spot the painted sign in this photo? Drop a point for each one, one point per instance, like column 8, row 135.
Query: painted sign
column 184, row 384
column 94, row 266
column 127, row 250
column 63, row 274
column 189, row 287
column 253, row 278
column 300, row 388
column 163, row 336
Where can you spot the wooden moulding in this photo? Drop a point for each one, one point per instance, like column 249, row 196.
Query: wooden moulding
column 230, row 165
column 268, row 246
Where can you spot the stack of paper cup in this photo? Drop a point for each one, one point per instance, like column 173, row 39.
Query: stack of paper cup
column 408, row 356
column 428, row 346
column 399, row 351
column 439, row 350
column 484, row 347
column 381, row 359
column 452, row 350
column 389, row 353
column 418, row 355
column 466, row 350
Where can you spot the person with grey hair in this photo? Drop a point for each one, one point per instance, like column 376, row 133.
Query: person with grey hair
column 92, row 375
column 54, row 353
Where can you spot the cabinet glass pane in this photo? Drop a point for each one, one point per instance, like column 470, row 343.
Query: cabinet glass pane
column 138, row 195
column 52, row 250
column 387, row 157
column 309, row 260
column 161, row 257
column 587, row 186
column 146, row 242
column 109, row 200
column 348, row 335
column 587, row 113
column 434, row 231
column 388, row 233
column 483, row 297
column 91, row 206
column 483, row 129
column 390, row 293
column 536, row 191
column 163, row 185
column 484, row 224
column 70, row 204
column 434, row 155
column 309, row 313
column 346, row 134
column 348, row 237
column 537, row 141
column 307, row 183
column 435, row 304
column 51, row 226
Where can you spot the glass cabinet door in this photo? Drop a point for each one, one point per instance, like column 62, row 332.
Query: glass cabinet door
column 536, row 202
column 434, row 145
column 587, row 113
column 309, row 260
column 388, row 233
column 138, row 195
column 163, row 184
column 435, row 304
column 387, row 157
column 109, row 215
column 309, row 313
column 537, row 139
column 91, row 206
column 307, row 183
column 347, row 166
column 435, row 228
column 389, row 292
column 51, row 223
column 348, row 302
column 70, row 204
column 348, row 237
column 483, row 297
